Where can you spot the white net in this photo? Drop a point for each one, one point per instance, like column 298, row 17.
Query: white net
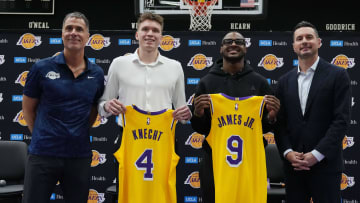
column 200, row 14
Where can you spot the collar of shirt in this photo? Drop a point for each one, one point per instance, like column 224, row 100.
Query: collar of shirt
column 313, row 67
column 159, row 60
column 60, row 59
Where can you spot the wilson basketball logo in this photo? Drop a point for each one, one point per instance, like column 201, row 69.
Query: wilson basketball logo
column 99, row 121
column 343, row 61
column 97, row 158
column 193, row 180
column 21, row 79
column 195, row 140
column 200, row 61
column 97, row 42
column 271, row 62
column 346, row 181
column 270, row 138
column 29, row 41
column 95, row 197
column 348, row 142
column 19, row 118
column 168, row 43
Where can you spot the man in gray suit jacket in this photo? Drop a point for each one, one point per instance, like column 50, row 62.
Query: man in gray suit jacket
column 314, row 117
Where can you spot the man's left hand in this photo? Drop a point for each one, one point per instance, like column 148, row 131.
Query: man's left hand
column 310, row 158
column 272, row 105
column 182, row 113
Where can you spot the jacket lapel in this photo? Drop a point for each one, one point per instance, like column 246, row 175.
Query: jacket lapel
column 294, row 90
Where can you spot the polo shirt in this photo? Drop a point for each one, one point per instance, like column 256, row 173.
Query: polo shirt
column 61, row 127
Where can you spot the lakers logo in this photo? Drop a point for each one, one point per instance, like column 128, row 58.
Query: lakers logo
column 99, row 121
column 2, row 59
column 97, row 41
column 269, row 137
column 57, row 53
column 19, row 118
column 193, row 180
column 200, row 61
column 97, row 158
column 168, row 43
column 348, row 142
column 271, row 62
column 95, row 197
column 195, row 140
column 346, row 181
column 343, row 61
column 29, row 41
column 21, row 79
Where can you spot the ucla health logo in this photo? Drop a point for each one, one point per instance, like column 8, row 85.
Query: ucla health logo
column 336, row 43
column 348, row 142
column 200, row 61
column 97, row 42
column 271, row 62
column 346, row 181
column 95, row 196
column 265, row 43
column 168, row 43
column 2, row 59
column 269, row 137
column 29, row 41
column 343, row 61
column 194, row 43
column 193, row 180
column 100, row 120
column 19, row 118
column 21, row 79
column 195, row 140
column 97, row 158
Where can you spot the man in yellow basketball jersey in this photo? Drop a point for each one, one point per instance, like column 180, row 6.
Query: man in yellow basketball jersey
column 233, row 76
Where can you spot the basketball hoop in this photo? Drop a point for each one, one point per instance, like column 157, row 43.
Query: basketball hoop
column 200, row 14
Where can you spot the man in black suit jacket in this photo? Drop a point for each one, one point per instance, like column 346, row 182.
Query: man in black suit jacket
column 314, row 117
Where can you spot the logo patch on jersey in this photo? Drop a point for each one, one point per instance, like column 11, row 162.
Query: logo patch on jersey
column 100, row 120
column 97, row 42
column 95, row 196
column 236, row 106
column 52, row 75
column 348, row 142
column 193, row 180
column 147, row 121
column 269, row 137
column 271, row 62
column 2, row 59
column 19, row 118
column 200, row 61
column 168, row 43
column 195, row 140
column 29, row 41
column 21, row 79
column 346, row 181
column 97, row 158
column 343, row 61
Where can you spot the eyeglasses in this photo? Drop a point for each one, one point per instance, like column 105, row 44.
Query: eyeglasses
column 229, row 42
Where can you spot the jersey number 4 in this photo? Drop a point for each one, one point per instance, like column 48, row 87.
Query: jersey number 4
column 144, row 162
column 235, row 146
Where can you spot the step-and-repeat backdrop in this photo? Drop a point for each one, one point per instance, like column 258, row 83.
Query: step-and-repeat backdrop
column 270, row 54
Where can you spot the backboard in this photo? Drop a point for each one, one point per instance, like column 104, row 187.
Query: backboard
column 222, row 7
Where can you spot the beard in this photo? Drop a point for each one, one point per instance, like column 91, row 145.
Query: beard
column 233, row 59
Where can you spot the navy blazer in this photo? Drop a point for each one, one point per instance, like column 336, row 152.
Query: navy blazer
column 326, row 118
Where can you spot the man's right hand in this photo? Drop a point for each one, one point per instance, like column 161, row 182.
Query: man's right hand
column 297, row 161
column 201, row 102
column 114, row 107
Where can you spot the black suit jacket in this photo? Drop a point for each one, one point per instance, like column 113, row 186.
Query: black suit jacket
column 326, row 118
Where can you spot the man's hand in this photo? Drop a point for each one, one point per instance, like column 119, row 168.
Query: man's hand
column 310, row 158
column 114, row 107
column 182, row 113
column 297, row 160
column 201, row 102
column 272, row 105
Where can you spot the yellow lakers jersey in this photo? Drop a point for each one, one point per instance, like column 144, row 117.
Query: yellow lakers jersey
column 236, row 140
column 147, row 158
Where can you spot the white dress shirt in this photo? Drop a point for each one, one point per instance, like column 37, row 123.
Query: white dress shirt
column 304, row 84
column 151, row 87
